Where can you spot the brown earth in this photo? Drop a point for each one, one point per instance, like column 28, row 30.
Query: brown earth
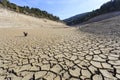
column 53, row 51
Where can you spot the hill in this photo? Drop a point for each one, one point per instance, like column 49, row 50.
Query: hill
column 36, row 12
column 70, row 21
column 101, row 17
column 109, row 7
column 10, row 18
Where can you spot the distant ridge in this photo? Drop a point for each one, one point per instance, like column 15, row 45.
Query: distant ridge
column 109, row 7
column 70, row 21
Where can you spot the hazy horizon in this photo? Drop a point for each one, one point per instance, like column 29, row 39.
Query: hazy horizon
column 64, row 8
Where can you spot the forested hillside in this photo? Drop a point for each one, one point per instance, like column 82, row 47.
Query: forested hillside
column 111, row 6
column 75, row 19
column 36, row 12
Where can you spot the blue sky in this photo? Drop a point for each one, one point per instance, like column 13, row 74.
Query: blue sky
column 62, row 8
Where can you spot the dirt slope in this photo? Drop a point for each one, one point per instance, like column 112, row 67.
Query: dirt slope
column 12, row 19
column 107, row 27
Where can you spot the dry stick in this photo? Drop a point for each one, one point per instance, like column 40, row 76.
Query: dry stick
column 33, row 76
column 25, row 34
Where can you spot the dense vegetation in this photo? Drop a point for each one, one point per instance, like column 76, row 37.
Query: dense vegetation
column 29, row 11
column 111, row 6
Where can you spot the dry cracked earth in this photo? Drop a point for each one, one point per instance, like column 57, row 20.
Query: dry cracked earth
column 58, row 54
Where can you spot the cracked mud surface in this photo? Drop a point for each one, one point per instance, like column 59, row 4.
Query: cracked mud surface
column 58, row 54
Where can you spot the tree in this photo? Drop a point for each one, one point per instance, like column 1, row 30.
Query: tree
column 4, row 2
column 17, row 9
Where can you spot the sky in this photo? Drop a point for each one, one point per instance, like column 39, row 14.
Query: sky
column 62, row 8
